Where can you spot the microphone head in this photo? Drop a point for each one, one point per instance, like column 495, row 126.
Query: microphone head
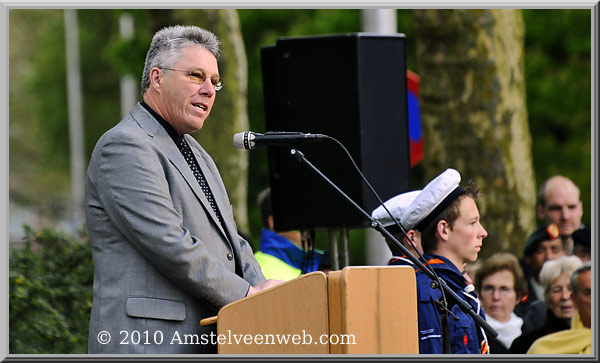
column 243, row 140
column 238, row 140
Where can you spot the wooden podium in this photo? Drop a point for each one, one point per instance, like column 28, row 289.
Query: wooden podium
column 358, row 310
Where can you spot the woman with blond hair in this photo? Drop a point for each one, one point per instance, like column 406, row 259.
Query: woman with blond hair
column 558, row 306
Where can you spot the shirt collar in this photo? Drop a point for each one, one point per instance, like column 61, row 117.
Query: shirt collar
column 165, row 124
column 438, row 262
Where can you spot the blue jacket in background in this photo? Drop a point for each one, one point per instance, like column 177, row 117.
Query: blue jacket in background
column 281, row 259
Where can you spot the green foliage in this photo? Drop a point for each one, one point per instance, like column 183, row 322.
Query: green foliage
column 50, row 288
column 98, row 31
column 127, row 55
column 49, row 127
column 558, row 85
column 38, row 150
column 39, row 124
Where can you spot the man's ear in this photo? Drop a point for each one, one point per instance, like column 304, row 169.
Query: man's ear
column 271, row 223
column 443, row 229
column 155, row 78
column 540, row 212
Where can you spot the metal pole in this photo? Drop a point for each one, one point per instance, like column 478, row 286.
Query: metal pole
column 382, row 21
column 128, row 84
column 333, row 247
column 75, row 105
column 345, row 253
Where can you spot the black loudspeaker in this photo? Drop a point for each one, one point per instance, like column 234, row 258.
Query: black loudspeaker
column 348, row 86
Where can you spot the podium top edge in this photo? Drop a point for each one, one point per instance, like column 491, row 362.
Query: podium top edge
column 350, row 268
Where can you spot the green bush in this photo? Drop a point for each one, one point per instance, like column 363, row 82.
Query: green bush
column 50, row 294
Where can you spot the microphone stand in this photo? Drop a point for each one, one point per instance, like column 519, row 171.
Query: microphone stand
column 436, row 283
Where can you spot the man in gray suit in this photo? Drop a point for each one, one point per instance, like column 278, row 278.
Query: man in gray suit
column 165, row 245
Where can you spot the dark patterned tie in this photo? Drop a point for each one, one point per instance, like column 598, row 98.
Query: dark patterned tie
column 193, row 163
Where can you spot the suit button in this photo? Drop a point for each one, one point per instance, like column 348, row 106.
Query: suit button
column 229, row 256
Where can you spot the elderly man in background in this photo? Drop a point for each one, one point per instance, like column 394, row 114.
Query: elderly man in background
column 559, row 203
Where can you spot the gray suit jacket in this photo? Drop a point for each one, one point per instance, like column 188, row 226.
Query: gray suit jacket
column 162, row 260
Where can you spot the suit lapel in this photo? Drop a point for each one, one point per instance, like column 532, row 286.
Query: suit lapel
column 209, row 180
column 211, row 174
column 213, row 181
column 167, row 146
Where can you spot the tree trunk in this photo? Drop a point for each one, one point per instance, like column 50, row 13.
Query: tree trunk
column 229, row 114
column 474, row 114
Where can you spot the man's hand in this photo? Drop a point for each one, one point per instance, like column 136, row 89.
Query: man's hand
column 263, row 286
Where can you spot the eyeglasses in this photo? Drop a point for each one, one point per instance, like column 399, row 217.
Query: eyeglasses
column 199, row 77
column 502, row 290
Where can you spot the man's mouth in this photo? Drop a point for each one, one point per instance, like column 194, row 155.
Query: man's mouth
column 200, row 106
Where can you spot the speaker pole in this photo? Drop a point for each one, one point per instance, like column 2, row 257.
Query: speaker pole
column 380, row 21
column 333, row 249
column 345, row 253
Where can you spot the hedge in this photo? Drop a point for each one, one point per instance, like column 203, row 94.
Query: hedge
column 50, row 288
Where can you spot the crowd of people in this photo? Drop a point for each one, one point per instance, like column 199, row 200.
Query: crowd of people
column 167, row 252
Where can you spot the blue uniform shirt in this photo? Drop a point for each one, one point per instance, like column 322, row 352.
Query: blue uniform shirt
column 401, row 261
column 465, row 336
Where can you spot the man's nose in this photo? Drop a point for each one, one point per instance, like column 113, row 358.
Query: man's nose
column 549, row 255
column 207, row 88
column 483, row 233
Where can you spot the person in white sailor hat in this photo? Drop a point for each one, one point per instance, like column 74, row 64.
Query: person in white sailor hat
column 451, row 235
column 397, row 206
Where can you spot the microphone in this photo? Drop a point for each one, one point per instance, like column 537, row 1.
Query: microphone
column 249, row 140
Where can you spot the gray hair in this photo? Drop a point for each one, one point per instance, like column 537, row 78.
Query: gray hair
column 552, row 269
column 587, row 266
column 167, row 43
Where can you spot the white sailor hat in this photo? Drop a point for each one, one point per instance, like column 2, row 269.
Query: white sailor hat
column 432, row 201
column 396, row 205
